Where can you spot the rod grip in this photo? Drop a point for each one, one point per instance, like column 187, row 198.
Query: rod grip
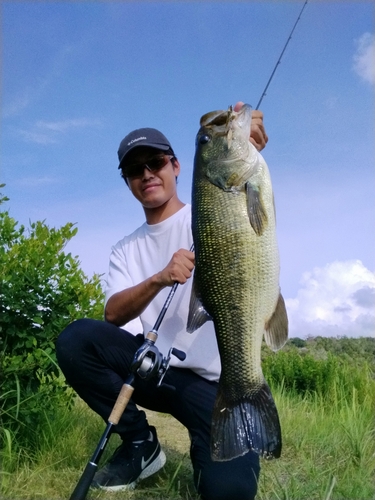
column 83, row 485
column 121, row 403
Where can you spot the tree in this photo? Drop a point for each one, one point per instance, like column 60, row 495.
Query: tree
column 297, row 342
column 42, row 290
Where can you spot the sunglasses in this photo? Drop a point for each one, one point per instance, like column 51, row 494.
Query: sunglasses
column 153, row 165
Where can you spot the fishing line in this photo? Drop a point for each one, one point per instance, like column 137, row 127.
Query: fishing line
column 281, row 55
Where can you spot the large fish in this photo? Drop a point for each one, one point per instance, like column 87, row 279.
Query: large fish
column 236, row 280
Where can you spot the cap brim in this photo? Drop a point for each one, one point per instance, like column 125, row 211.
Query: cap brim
column 161, row 147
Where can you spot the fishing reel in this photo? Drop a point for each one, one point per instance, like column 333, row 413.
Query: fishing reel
column 148, row 362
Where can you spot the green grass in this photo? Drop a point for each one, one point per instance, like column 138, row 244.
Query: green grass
column 67, row 443
column 329, row 451
column 328, row 454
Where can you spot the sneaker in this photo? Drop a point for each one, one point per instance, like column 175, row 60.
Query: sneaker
column 130, row 463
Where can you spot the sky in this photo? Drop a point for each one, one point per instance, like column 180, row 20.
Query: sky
column 78, row 76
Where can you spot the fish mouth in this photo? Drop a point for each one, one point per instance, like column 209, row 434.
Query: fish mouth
column 225, row 118
column 244, row 116
column 223, row 123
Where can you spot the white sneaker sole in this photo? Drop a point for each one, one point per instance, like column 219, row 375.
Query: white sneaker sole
column 156, row 465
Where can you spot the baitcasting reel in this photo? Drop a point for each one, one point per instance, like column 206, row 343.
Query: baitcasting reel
column 148, row 362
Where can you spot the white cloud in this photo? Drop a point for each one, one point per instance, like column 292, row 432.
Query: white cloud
column 364, row 58
column 36, row 136
column 44, row 132
column 336, row 300
column 32, row 182
column 16, row 105
column 66, row 125
column 25, row 97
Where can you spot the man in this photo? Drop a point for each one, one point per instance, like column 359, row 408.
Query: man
column 96, row 356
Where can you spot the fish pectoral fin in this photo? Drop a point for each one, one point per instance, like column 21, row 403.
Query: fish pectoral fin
column 197, row 312
column 276, row 333
column 255, row 209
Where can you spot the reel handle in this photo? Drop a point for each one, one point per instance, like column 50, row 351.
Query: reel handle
column 181, row 355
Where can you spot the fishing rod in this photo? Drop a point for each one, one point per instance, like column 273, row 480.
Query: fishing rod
column 147, row 363
column 281, row 55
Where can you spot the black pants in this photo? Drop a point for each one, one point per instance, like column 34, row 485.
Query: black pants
column 95, row 358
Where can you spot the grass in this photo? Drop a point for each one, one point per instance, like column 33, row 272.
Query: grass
column 329, row 451
column 328, row 454
column 66, row 446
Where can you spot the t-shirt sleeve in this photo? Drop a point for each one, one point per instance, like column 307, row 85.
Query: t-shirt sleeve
column 118, row 279
column 118, row 276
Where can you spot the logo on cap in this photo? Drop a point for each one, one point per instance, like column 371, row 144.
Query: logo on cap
column 136, row 140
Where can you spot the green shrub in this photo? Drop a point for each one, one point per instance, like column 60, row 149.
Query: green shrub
column 42, row 290
column 297, row 342
column 328, row 376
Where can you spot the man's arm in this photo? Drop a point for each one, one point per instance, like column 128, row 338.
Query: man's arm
column 127, row 304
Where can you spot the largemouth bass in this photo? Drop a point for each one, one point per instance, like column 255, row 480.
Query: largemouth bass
column 236, row 280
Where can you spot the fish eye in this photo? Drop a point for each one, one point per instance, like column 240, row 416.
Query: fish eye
column 204, row 139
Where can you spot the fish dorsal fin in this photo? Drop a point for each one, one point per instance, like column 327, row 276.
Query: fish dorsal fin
column 276, row 333
column 197, row 313
column 255, row 209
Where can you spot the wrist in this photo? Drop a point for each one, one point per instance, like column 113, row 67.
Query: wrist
column 157, row 281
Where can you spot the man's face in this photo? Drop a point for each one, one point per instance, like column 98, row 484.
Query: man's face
column 155, row 184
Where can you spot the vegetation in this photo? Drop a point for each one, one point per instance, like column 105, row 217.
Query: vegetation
column 324, row 390
column 42, row 290
column 344, row 365
column 328, row 438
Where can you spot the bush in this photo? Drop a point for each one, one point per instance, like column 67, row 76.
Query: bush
column 43, row 289
column 328, row 377
column 297, row 342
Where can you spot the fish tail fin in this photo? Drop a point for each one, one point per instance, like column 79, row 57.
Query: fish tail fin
column 252, row 423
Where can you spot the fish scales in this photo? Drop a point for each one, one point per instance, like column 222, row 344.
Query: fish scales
column 227, row 237
column 236, row 282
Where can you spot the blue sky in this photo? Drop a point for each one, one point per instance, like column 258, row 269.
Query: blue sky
column 78, row 76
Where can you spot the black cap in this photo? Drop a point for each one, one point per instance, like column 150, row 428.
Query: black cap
column 143, row 137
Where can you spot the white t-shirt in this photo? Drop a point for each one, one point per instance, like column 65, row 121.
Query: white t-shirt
column 140, row 255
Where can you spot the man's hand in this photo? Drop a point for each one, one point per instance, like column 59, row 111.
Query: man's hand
column 129, row 303
column 258, row 135
column 179, row 268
